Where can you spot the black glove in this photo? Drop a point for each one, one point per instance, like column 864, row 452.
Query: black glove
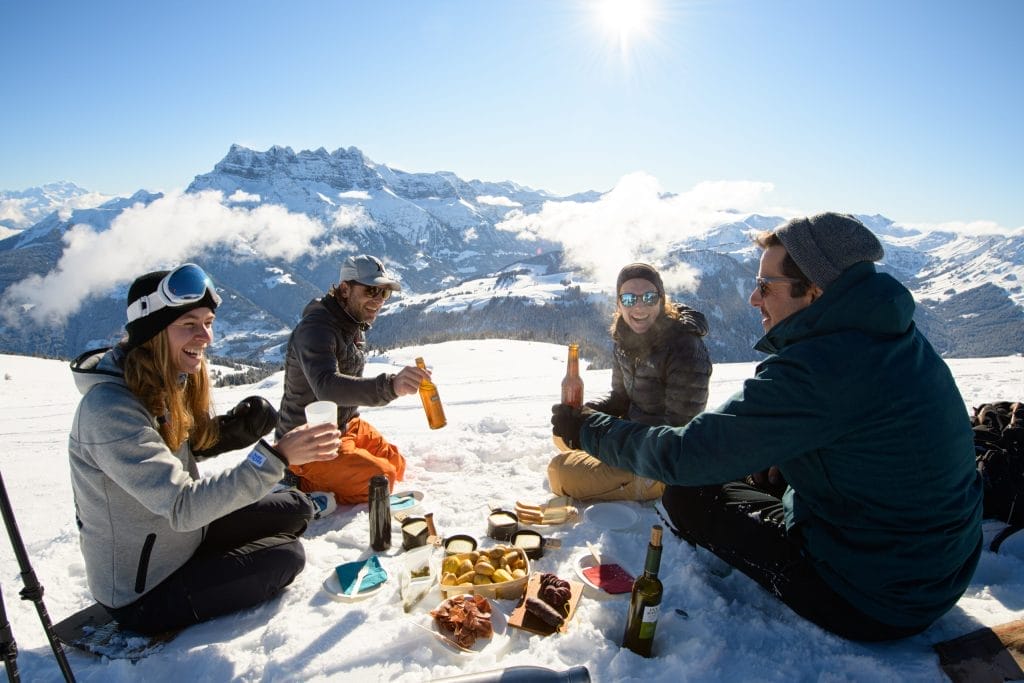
column 242, row 426
column 566, row 422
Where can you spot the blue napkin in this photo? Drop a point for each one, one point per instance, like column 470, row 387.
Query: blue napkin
column 400, row 502
column 375, row 575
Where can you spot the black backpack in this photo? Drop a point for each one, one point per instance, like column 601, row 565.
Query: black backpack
column 999, row 454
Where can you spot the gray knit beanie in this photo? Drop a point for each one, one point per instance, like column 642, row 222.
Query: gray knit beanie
column 826, row 244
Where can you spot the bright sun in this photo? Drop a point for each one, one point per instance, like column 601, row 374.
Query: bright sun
column 624, row 20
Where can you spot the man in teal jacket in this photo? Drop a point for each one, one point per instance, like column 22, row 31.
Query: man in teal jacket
column 879, row 529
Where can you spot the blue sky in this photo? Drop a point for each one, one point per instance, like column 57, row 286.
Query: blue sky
column 908, row 108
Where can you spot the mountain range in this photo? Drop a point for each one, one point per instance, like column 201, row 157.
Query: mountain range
column 463, row 275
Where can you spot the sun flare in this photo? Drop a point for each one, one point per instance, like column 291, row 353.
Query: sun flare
column 624, row 20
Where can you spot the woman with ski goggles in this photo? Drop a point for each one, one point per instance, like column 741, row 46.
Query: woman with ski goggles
column 184, row 285
column 165, row 547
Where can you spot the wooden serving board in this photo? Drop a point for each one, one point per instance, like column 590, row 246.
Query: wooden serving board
column 520, row 618
column 987, row 654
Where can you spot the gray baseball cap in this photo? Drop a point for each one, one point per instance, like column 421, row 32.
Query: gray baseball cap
column 368, row 270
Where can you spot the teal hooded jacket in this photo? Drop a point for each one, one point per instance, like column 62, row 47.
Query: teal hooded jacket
column 866, row 423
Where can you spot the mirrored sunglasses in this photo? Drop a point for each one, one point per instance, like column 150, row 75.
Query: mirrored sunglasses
column 647, row 298
column 184, row 285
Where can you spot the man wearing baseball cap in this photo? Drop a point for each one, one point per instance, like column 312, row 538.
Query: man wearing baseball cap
column 325, row 362
column 876, row 531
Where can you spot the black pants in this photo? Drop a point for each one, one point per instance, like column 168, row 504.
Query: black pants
column 745, row 526
column 245, row 559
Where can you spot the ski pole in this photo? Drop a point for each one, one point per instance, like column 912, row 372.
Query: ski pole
column 32, row 591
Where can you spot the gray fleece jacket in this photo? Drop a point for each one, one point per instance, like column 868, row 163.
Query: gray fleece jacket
column 141, row 508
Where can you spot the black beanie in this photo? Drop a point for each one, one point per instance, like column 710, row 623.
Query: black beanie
column 642, row 271
column 145, row 328
column 826, row 244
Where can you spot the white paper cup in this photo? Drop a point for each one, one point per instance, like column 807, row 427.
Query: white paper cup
column 319, row 412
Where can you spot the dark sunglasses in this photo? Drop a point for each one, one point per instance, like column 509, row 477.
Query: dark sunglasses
column 764, row 283
column 648, row 298
column 377, row 292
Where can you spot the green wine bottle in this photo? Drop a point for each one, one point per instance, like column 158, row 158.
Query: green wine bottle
column 645, row 603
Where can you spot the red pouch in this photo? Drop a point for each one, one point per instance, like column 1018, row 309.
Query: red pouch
column 611, row 578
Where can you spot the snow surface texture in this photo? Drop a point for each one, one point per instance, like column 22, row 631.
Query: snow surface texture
column 497, row 395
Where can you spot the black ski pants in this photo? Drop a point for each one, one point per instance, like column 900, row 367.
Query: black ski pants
column 745, row 526
column 245, row 559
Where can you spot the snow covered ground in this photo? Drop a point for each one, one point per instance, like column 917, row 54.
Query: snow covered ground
column 494, row 451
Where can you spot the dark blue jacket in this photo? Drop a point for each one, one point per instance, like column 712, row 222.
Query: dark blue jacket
column 866, row 423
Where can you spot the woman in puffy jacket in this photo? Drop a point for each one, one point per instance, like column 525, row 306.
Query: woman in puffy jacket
column 660, row 376
column 165, row 548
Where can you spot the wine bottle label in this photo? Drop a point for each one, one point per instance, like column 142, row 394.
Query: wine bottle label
column 649, row 621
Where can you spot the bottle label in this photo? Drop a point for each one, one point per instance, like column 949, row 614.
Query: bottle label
column 648, row 621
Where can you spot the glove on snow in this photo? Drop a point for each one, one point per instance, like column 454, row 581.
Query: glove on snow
column 242, row 426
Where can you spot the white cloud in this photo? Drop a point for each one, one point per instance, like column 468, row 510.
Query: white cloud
column 143, row 238
column 637, row 221
column 496, row 201
column 11, row 210
column 241, row 197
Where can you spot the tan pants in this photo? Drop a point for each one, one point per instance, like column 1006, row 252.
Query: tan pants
column 584, row 477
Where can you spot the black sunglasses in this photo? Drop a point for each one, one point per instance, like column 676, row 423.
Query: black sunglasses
column 376, row 292
column 648, row 298
column 764, row 283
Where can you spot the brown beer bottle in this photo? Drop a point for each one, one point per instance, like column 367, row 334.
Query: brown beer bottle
column 572, row 388
column 431, row 401
column 645, row 602
column 572, row 384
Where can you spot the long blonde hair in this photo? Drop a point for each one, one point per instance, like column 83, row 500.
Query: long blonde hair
column 183, row 406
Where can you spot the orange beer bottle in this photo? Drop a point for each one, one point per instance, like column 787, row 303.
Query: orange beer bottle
column 431, row 401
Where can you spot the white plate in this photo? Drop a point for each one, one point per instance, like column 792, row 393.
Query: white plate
column 412, row 500
column 587, row 560
column 495, row 644
column 333, row 588
column 582, row 562
column 614, row 516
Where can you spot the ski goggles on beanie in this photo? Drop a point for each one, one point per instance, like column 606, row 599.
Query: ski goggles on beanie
column 184, row 285
column 157, row 299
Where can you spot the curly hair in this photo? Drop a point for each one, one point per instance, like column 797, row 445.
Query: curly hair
column 183, row 405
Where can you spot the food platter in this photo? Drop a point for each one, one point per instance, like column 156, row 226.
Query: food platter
column 495, row 644
column 613, row 516
column 586, row 561
column 521, row 619
column 373, row 582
